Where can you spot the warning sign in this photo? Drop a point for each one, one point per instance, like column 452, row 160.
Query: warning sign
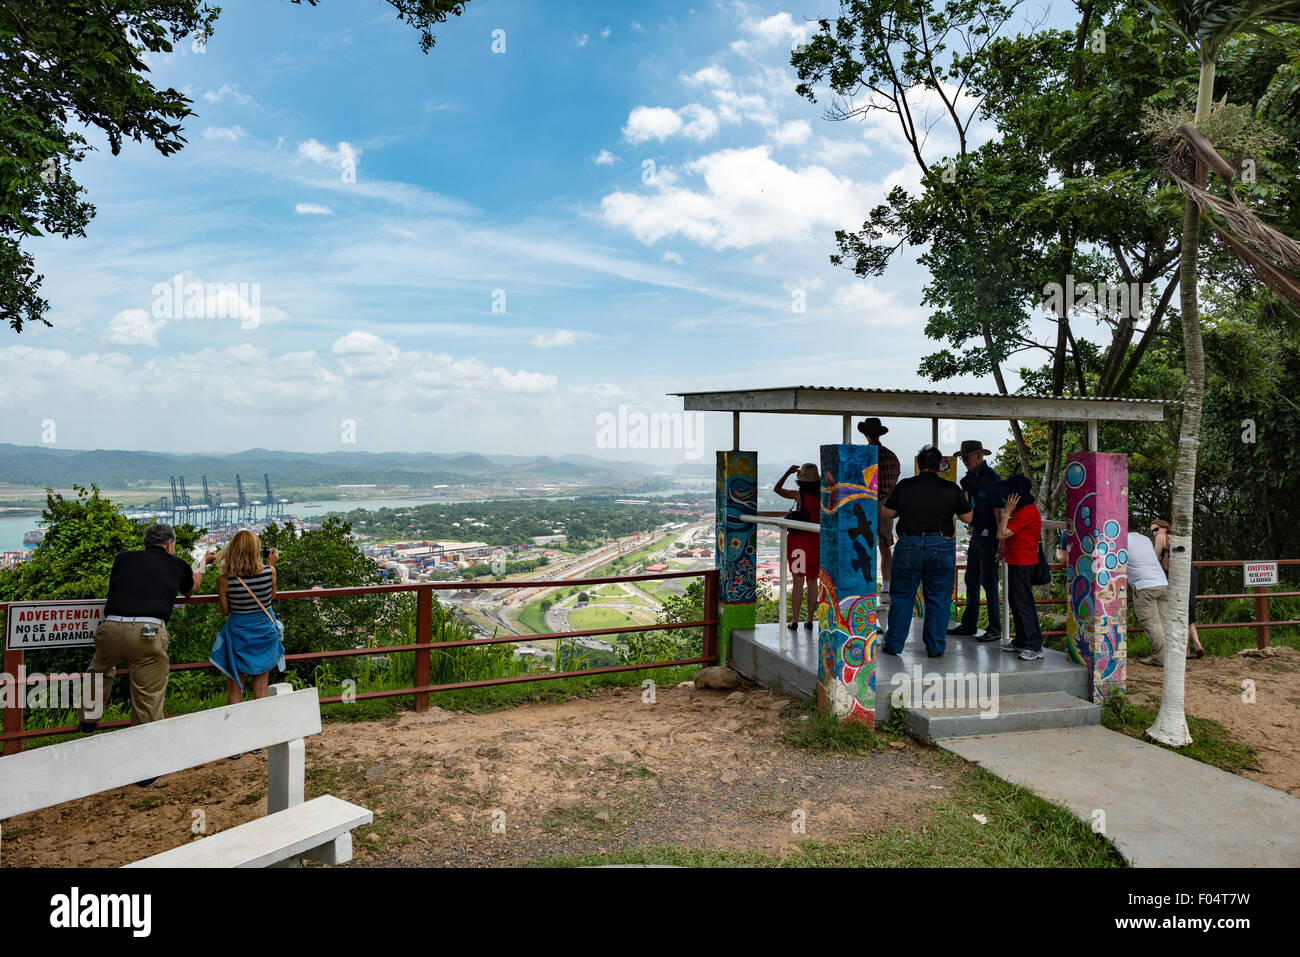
column 1259, row 573
column 52, row 624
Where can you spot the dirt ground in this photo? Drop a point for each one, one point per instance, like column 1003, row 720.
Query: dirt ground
column 1270, row 724
column 603, row 773
column 581, row 776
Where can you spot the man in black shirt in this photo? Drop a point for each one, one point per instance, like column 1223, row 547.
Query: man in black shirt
column 142, row 590
column 924, row 553
column 980, row 484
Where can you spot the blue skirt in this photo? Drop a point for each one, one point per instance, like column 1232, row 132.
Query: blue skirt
column 247, row 644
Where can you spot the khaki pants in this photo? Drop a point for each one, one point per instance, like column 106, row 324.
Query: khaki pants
column 147, row 657
column 1151, row 605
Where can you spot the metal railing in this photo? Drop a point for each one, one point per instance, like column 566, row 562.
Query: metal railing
column 13, row 734
column 785, row 525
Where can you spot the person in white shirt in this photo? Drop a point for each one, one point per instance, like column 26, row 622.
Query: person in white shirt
column 1150, row 591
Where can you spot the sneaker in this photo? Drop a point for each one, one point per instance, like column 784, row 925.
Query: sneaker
column 148, row 782
column 1011, row 646
column 892, row 654
column 1152, row 660
column 87, row 727
column 256, row 751
column 808, row 625
column 235, row 757
column 934, row 654
column 961, row 630
column 1030, row 655
column 989, row 635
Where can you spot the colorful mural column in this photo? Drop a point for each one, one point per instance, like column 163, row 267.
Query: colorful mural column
column 1096, row 571
column 737, row 545
column 846, row 593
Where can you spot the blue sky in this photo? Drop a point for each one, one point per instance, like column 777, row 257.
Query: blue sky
column 634, row 186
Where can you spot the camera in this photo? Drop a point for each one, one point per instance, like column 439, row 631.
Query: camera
column 266, row 552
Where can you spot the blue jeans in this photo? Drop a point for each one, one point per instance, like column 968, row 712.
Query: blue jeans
column 925, row 562
column 982, row 571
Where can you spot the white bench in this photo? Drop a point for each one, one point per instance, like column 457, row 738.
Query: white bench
column 293, row 829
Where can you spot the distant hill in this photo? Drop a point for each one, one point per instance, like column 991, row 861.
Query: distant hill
column 41, row 466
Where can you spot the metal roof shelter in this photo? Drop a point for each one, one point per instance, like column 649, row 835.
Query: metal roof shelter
column 920, row 404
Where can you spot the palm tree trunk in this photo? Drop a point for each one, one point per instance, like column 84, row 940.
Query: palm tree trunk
column 1170, row 726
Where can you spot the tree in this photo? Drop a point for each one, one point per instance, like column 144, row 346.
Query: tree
column 82, row 61
column 1064, row 194
column 82, row 537
column 1206, row 26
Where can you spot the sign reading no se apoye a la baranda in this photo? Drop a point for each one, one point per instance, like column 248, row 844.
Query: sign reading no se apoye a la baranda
column 52, row 624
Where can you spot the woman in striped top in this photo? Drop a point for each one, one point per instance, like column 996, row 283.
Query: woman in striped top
column 250, row 642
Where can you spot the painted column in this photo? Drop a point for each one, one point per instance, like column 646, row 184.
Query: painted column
column 736, row 555
column 846, row 591
column 1096, row 571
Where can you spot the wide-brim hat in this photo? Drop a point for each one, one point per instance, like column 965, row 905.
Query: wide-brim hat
column 808, row 473
column 972, row 445
column 871, row 427
column 1020, row 486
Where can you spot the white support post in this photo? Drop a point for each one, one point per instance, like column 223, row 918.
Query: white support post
column 781, row 591
column 1092, row 435
column 848, row 430
column 286, row 768
column 934, row 432
column 735, row 431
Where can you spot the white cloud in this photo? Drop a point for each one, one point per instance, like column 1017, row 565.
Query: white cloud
column 346, row 155
column 605, row 158
column 672, row 257
column 133, row 327
column 793, row 133
column 373, row 362
column 228, row 91
column 712, row 75
column 312, row 209
column 877, row 307
column 749, row 199
column 560, row 337
column 693, row 121
column 836, row 152
column 582, row 40
column 636, row 26
column 604, row 34
column 778, row 28
column 231, row 133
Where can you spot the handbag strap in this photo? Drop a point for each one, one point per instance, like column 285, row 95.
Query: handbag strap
column 255, row 598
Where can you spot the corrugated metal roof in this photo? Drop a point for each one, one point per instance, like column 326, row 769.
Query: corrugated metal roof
column 939, row 392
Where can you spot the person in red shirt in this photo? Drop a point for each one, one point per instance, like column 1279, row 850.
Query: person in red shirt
column 1019, row 528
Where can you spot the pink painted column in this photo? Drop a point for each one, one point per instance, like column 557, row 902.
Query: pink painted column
column 1096, row 573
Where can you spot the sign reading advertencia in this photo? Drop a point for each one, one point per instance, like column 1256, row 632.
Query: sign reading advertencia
column 1259, row 573
column 52, row 624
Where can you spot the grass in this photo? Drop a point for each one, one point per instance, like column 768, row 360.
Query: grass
column 590, row 619
column 1211, row 742
column 1022, row 831
column 811, row 730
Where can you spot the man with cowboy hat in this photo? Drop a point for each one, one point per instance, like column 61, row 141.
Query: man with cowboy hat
column 886, row 478
column 980, row 483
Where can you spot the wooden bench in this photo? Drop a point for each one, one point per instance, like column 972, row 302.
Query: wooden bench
column 293, row 829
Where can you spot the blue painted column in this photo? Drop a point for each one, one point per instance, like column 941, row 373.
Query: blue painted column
column 736, row 553
column 846, row 592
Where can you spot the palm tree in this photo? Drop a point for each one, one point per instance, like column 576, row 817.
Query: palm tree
column 1207, row 26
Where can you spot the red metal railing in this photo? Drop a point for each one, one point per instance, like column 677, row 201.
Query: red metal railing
column 14, row 735
column 1261, row 623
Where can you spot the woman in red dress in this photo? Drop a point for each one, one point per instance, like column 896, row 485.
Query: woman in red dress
column 803, row 548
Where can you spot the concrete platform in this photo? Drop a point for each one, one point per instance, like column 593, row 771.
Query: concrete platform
column 1161, row 809
column 756, row 654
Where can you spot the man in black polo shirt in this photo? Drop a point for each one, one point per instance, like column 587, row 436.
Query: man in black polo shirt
column 980, row 484
column 142, row 590
column 924, row 552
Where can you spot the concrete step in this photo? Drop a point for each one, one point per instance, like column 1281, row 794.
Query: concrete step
column 1015, row 712
column 795, row 672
